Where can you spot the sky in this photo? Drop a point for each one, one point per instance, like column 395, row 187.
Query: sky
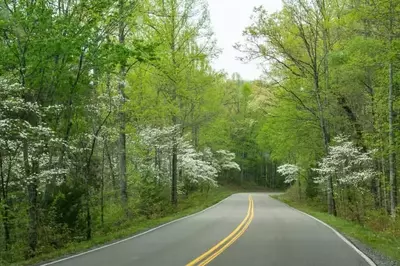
column 229, row 18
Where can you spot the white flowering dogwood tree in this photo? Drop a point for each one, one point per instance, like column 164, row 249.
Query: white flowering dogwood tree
column 346, row 163
column 26, row 147
column 351, row 171
column 290, row 172
column 27, row 151
column 194, row 166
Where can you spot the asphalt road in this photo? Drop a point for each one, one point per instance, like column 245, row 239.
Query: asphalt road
column 277, row 235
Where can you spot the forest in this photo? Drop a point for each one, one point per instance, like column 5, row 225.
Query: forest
column 330, row 106
column 111, row 115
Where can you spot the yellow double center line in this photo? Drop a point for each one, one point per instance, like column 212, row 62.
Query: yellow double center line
column 216, row 250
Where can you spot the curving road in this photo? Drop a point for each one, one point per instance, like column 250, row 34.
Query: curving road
column 241, row 230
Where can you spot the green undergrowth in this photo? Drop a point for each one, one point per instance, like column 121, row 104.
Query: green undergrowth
column 385, row 241
column 194, row 203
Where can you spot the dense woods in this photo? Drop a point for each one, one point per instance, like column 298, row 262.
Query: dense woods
column 110, row 113
column 331, row 111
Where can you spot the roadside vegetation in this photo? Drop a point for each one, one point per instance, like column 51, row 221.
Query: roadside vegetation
column 112, row 120
column 110, row 233
column 331, row 118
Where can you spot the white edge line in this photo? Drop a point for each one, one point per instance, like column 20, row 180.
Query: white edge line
column 134, row 236
column 365, row 257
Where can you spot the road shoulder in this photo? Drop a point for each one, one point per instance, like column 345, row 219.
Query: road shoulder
column 362, row 238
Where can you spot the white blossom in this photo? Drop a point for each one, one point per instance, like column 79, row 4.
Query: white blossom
column 289, row 171
column 226, row 161
column 195, row 166
column 345, row 162
column 17, row 131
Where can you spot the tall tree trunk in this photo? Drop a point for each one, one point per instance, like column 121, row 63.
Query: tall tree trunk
column 30, row 169
column 6, row 226
column 102, row 189
column 263, row 178
column 88, row 217
column 326, row 137
column 195, row 136
column 109, row 157
column 275, row 173
column 122, row 116
column 156, row 165
column 6, row 221
column 392, row 152
column 376, row 186
column 242, row 172
column 32, row 199
column 384, row 185
column 32, row 231
column 122, row 163
column 6, row 207
column 325, row 132
column 87, row 172
column 299, row 184
column 4, row 198
column 174, row 180
column 174, row 166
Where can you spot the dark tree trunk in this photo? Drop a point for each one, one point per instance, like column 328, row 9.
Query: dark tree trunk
column 102, row 189
column 4, row 198
column 392, row 140
column 392, row 153
column 122, row 115
column 174, row 189
column 385, row 204
column 195, row 136
column 353, row 119
column 114, row 183
column 6, row 226
column 32, row 231
column 174, row 180
column 32, row 200
column 88, row 218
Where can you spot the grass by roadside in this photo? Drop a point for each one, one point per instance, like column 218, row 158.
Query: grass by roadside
column 193, row 204
column 384, row 242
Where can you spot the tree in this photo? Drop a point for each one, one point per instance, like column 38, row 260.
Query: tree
column 17, row 131
column 290, row 40
column 349, row 167
column 177, row 25
column 98, row 92
column 290, row 172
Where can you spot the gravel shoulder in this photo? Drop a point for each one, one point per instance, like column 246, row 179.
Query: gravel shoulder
column 374, row 255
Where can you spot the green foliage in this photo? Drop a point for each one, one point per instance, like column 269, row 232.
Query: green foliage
column 114, row 230
column 332, row 71
column 66, row 206
column 154, row 199
column 96, row 73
